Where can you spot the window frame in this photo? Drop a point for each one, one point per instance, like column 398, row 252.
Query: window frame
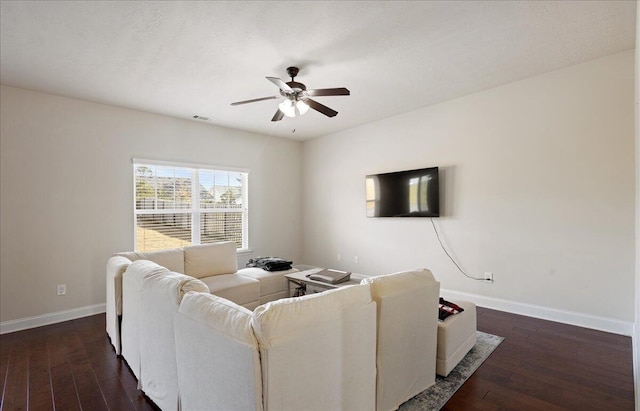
column 196, row 209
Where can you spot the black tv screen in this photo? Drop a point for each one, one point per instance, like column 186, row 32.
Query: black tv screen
column 410, row 193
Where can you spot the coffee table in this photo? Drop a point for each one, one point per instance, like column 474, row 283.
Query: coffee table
column 299, row 280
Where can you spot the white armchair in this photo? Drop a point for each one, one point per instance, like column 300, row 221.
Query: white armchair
column 407, row 335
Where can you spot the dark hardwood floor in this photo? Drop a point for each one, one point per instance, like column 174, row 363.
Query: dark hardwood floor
column 541, row 365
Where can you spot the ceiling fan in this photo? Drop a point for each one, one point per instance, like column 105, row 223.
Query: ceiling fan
column 297, row 97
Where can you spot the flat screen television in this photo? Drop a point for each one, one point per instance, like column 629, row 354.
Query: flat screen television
column 410, row 193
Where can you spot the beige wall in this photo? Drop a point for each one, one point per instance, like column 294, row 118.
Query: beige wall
column 537, row 183
column 66, row 192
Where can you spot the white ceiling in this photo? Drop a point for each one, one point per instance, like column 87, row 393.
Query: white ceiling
column 182, row 58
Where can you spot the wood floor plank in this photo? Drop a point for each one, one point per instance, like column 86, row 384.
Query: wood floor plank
column 102, row 362
column 568, row 379
column 4, row 367
column 597, row 401
column 65, row 396
column 129, row 382
column 116, row 395
column 87, row 387
column 40, row 396
column 15, row 395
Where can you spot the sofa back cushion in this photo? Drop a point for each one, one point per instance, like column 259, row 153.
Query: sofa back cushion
column 131, row 293
column 217, row 355
column 397, row 283
column 287, row 316
column 210, row 259
column 171, row 259
column 318, row 351
column 220, row 314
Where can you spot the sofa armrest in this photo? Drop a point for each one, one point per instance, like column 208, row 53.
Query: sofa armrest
column 407, row 331
column 116, row 266
column 159, row 301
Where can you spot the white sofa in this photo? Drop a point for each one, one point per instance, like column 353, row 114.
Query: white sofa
column 215, row 264
column 363, row 347
column 315, row 352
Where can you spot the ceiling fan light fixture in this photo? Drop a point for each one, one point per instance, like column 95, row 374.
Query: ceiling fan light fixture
column 287, row 108
column 302, row 107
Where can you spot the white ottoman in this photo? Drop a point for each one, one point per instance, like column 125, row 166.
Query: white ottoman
column 456, row 336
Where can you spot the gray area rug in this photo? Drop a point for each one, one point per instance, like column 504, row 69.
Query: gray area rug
column 436, row 397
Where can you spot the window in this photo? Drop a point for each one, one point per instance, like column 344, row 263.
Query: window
column 181, row 204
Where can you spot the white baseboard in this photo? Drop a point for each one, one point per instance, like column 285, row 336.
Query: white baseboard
column 545, row 313
column 51, row 318
column 636, row 365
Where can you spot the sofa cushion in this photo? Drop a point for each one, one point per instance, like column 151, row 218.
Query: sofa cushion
column 172, row 259
column 218, row 313
column 271, row 282
column 287, row 316
column 234, row 287
column 210, row 259
column 395, row 283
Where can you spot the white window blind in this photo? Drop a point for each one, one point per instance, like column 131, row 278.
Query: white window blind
column 178, row 205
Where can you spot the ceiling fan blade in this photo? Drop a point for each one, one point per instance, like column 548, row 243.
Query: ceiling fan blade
column 278, row 116
column 281, row 84
column 340, row 91
column 320, row 107
column 237, row 103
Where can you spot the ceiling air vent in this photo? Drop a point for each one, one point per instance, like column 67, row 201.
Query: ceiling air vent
column 202, row 118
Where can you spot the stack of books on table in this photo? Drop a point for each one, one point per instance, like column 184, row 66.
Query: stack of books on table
column 330, row 276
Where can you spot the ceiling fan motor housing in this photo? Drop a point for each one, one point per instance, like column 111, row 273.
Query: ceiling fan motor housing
column 296, row 86
column 293, row 72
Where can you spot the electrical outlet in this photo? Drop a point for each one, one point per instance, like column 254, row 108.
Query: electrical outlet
column 488, row 277
column 339, row 258
column 356, row 259
column 61, row 289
